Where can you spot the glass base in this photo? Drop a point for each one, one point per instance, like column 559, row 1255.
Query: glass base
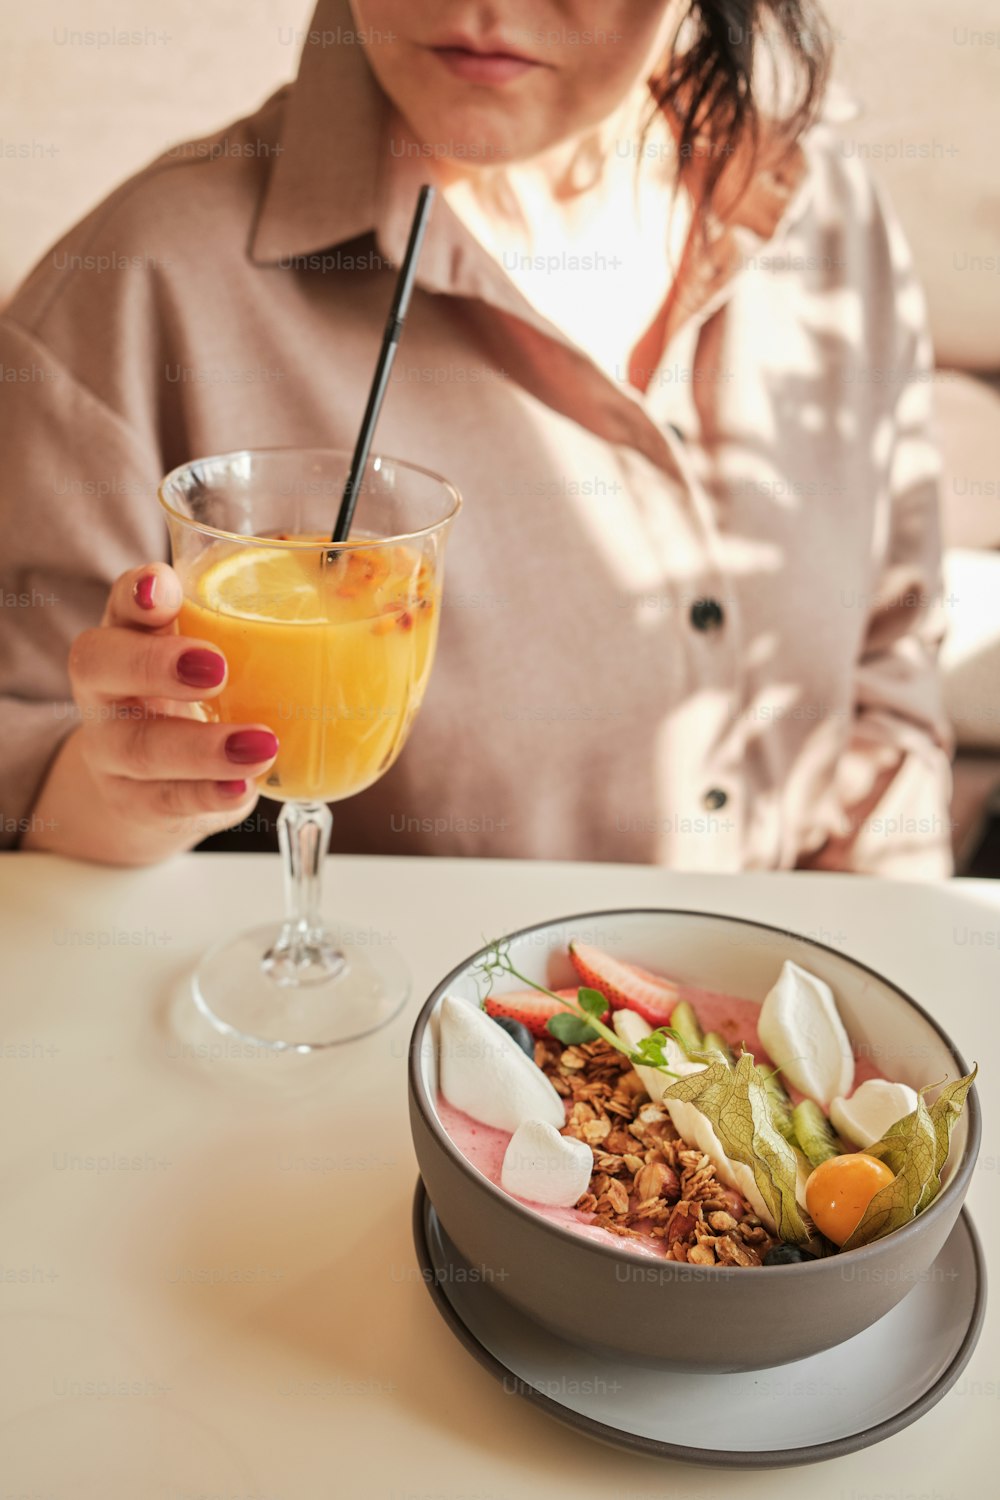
column 246, row 988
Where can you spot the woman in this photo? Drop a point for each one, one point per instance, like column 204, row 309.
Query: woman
column 664, row 341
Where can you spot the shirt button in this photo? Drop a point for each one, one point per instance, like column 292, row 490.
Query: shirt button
column 707, row 614
column 714, row 798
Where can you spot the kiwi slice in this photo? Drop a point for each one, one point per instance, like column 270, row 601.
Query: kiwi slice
column 813, row 1133
column 716, row 1045
column 781, row 1105
column 685, row 1023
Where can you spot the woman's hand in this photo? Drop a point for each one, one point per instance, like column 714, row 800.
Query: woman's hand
column 142, row 776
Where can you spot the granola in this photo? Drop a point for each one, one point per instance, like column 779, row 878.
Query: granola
column 647, row 1183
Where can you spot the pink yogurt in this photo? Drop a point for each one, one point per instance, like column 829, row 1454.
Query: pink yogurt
column 484, row 1146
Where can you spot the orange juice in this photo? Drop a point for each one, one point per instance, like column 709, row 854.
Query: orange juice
column 333, row 656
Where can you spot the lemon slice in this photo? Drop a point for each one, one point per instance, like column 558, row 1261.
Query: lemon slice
column 263, row 583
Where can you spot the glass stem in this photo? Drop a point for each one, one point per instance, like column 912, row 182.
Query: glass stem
column 304, row 952
column 303, row 836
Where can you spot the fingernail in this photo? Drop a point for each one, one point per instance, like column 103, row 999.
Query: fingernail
column 232, row 788
column 144, row 591
column 247, row 746
column 200, row 668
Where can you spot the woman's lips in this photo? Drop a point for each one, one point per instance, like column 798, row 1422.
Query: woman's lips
column 483, row 67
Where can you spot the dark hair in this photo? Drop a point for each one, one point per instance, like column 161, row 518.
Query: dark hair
column 707, row 86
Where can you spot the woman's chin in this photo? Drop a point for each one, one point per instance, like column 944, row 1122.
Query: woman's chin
column 485, row 134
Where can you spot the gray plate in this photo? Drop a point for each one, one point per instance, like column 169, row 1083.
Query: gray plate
column 834, row 1403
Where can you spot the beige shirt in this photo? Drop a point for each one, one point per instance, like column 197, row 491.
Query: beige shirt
column 694, row 624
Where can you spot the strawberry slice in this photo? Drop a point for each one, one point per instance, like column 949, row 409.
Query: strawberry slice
column 626, row 986
column 529, row 1007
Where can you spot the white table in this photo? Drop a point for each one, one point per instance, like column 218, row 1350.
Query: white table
column 209, row 1288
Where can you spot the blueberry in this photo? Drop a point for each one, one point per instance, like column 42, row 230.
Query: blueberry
column 519, row 1032
column 786, row 1255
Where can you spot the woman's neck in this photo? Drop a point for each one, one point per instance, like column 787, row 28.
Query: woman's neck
column 570, row 180
column 590, row 232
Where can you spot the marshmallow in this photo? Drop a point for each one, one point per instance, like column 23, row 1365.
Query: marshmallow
column 800, row 1027
column 485, row 1074
column 545, row 1167
column 686, row 1118
column 631, row 1028
column 876, row 1104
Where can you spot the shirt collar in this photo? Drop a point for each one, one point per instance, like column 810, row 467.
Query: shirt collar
column 323, row 184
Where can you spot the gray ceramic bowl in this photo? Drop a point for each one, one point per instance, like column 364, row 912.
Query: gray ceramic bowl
column 679, row 1316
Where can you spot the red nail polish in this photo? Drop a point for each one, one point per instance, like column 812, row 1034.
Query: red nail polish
column 232, row 788
column 247, row 746
column 199, row 668
column 144, row 591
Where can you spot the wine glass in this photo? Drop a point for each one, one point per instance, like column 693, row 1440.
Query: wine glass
column 331, row 647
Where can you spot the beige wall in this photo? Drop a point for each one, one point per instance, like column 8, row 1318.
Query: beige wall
column 926, row 77
column 85, row 113
column 88, row 114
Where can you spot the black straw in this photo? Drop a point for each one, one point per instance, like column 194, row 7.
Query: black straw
column 390, row 340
